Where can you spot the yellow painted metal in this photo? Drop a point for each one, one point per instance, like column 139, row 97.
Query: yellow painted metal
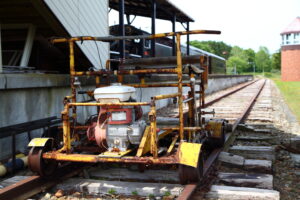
column 25, row 160
column 110, row 104
column 3, row 170
column 179, row 74
column 171, row 147
column 185, row 128
column 108, row 154
column 145, row 143
column 72, row 78
column 164, row 134
column 153, row 131
column 38, row 142
column 116, row 38
column 215, row 127
column 188, row 153
column 166, row 96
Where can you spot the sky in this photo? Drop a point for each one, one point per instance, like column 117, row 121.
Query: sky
column 245, row 23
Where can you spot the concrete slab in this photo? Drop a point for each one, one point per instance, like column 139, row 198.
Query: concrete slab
column 94, row 187
column 241, row 193
column 296, row 159
column 258, row 165
column 126, row 174
column 264, row 181
column 254, row 152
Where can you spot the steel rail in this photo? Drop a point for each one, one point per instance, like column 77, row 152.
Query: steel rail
column 230, row 137
column 33, row 185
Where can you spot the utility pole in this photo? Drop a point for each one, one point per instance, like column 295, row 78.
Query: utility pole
column 235, row 69
column 1, row 69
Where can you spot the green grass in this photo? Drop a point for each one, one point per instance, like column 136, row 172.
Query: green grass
column 291, row 93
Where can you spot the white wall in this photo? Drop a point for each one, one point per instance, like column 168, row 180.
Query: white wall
column 85, row 18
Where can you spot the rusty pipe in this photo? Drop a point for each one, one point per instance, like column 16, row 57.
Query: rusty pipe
column 111, row 104
column 124, row 72
column 149, row 37
column 165, row 96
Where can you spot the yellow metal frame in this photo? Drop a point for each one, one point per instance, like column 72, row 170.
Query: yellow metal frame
column 39, row 142
column 188, row 152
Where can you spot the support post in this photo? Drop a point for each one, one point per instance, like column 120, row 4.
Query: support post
column 188, row 39
column 72, row 73
column 121, row 28
column 173, row 38
column 28, row 46
column 180, row 98
column 153, row 17
column 1, row 69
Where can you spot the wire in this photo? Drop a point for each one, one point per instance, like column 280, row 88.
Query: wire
column 99, row 54
column 141, row 94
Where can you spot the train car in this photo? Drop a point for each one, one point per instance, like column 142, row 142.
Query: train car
column 163, row 48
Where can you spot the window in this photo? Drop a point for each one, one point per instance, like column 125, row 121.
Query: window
column 288, row 38
column 296, row 38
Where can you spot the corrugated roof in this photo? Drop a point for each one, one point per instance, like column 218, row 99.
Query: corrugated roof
column 293, row 27
column 165, row 9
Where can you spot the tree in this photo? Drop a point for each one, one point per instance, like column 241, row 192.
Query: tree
column 238, row 52
column 219, row 48
column 201, row 45
column 276, row 61
column 247, row 56
column 235, row 62
column 262, row 60
column 250, row 59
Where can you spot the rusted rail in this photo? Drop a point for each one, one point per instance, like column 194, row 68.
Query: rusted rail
column 190, row 188
column 35, row 184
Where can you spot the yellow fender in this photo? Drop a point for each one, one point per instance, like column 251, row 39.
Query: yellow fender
column 189, row 153
column 39, row 142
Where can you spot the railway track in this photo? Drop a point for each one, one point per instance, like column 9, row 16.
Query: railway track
column 233, row 105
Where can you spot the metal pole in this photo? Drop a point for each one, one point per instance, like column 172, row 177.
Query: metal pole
column 153, row 17
column 188, row 39
column 173, row 38
column 28, row 46
column 1, row 70
column 121, row 28
column 180, row 98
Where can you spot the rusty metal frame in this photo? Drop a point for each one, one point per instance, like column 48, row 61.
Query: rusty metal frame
column 64, row 154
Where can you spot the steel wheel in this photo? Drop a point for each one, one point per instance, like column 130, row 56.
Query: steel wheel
column 36, row 163
column 189, row 174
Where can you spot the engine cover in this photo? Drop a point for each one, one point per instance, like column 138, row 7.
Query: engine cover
column 120, row 136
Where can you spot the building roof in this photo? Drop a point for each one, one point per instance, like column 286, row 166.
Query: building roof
column 165, row 9
column 293, row 27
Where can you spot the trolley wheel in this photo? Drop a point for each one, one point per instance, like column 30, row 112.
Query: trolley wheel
column 188, row 174
column 36, row 163
column 220, row 141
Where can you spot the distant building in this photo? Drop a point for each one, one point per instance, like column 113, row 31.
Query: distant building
column 290, row 52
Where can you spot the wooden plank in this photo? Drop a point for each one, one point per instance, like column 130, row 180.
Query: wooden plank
column 264, row 181
column 241, row 193
column 254, row 152
column 258, row 165
column 231, row 159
